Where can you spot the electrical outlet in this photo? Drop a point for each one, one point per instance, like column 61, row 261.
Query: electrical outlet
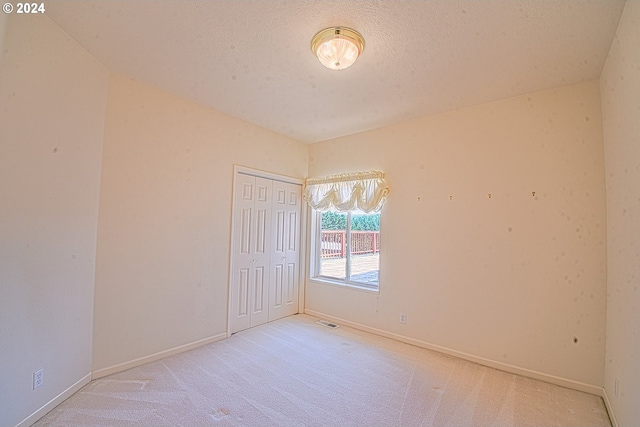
column 403, row 318
column 38, row 378
column 616, row 389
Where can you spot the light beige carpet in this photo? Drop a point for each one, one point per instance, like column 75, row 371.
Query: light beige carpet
column 294, row 372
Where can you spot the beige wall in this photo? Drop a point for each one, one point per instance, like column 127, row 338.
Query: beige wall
column 165, row 218
column 52, row 106
column 512, row 278
column 620, row 86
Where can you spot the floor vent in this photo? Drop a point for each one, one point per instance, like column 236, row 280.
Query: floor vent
column 327, row 324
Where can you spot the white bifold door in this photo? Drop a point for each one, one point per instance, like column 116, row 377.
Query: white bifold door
column 266, row 251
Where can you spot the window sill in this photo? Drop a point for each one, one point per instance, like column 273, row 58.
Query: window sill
column 343, row 284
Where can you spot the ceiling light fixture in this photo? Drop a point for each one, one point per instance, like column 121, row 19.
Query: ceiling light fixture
column 337, row 48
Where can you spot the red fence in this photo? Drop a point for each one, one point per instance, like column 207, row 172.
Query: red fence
column 362, row 242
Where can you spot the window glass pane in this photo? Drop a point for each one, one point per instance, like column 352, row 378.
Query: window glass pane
column 333, row 251
column 365, row 248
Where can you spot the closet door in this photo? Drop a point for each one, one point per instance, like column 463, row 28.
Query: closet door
column 285, row 254
column 249, row 301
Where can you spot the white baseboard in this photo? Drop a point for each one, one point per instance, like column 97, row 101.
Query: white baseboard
column 607, row 404
column 564, row 382
column 156, row 356
column 55, row 401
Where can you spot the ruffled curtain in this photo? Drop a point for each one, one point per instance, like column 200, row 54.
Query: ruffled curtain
column 366, row 191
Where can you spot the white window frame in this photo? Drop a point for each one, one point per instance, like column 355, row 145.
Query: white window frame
column 316, row 252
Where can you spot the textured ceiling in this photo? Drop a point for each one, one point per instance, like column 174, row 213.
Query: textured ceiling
column 252, row 59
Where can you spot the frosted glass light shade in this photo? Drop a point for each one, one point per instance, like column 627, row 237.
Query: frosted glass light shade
column 337, row 48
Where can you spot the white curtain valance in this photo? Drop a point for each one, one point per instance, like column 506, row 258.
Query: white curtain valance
column 366, row 191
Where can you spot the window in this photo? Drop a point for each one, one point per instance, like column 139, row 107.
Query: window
column 346, row 227
column 348, row 247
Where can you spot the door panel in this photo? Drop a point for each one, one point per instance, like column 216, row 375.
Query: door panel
column 261, row 231
column 279, row 284
column 245, row 231
column 292, row 233
column 285, row 254
column 242, row 266
column 251, row 237
column 260, row 310
column 279, row 231
column 243, row 292
column 261, row 252
column 291, row 295
column 266, row 240
column 293, row 249
column 264, row 187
